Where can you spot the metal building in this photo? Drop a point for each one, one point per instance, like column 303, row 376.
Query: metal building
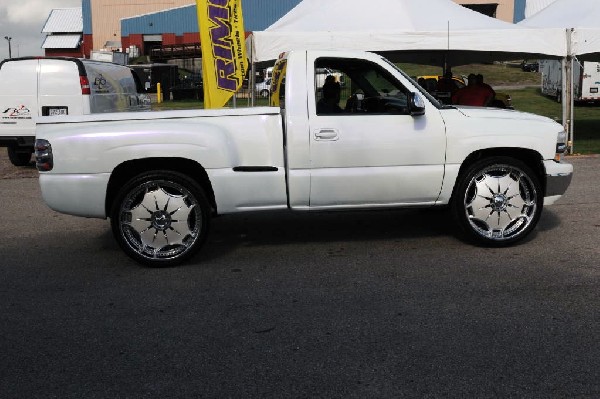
column 501, row 9
column 143, row 25
column 176, row 29
column 102, row 19
column 63, row 30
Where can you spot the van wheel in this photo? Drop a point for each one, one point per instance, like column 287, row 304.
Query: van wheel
column 160, row 218
column 497, row 201
column 19, row 156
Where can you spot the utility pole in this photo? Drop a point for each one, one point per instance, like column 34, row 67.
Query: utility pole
column 8, row 38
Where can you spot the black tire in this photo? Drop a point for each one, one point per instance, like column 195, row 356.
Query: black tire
column 497, row 201
column 264, row 93
column 145, row 223
column 19, row 156
column 558, row 97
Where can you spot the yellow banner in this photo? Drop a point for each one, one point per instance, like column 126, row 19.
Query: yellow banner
column 222, row 38
column 278, row 83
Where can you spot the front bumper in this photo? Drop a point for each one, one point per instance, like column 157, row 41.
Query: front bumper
column 558, row 179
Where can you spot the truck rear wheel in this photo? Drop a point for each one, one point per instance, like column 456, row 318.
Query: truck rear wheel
column 497, row 201
column 20, row 156
column 160, row 218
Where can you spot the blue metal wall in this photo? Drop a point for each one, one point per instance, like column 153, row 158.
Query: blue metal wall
column 177, row 21
column 519, row 10
column 258, row 15
column 86, row 10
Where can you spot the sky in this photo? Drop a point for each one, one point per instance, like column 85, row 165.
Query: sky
column 23, row 20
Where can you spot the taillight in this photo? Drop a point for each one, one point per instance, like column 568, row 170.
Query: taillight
column 85, row 85
column 44, row 160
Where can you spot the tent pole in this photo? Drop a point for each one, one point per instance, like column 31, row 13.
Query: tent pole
column 571, row 131
column 567, row 100
column 567, row 87
column 571, row 109
column 447, row 50
column 564, row 92
column 252, row 78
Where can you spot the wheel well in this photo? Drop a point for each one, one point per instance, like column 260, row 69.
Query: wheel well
column 129, row 169
column 531, row 158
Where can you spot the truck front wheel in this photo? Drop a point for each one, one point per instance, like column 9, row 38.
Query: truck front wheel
column 497, row 201
column 160, row 218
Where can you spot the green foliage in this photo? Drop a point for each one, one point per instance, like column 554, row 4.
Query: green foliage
column 497, row 74
column 586, row 130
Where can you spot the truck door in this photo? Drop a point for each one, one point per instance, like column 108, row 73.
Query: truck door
column 368, row 150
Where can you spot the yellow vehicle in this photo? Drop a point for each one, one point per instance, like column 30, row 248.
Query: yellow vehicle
column 429, row 83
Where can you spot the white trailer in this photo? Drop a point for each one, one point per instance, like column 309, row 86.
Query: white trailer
column 586, row 80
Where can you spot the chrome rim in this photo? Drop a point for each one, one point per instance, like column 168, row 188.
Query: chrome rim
column 160, row 220
column 500, row 202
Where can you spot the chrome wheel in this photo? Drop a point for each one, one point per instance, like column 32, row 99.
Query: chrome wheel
column 159, row 220
column 500, row 202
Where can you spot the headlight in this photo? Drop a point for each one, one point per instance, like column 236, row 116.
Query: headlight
column 561, row 145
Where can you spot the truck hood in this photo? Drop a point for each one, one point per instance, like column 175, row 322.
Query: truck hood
column 497, row 113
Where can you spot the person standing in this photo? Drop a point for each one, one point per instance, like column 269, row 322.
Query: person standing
column 473, row 94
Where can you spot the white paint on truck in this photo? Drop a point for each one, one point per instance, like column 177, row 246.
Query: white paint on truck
column 159, row 176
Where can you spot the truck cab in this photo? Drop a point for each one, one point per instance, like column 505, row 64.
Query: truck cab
column 334, row 167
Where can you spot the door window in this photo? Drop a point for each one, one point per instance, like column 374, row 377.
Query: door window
column 351, row 86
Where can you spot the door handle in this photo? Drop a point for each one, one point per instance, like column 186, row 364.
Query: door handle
column 326, row 134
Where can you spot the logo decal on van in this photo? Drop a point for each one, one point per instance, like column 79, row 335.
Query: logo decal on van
column 100, row 84
column 20, row 112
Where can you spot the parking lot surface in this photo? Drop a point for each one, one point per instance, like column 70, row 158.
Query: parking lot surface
column 285, row 305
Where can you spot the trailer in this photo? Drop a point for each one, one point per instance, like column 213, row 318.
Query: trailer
column 586, row 80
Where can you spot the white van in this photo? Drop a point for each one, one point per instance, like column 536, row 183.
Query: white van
column 32, row 87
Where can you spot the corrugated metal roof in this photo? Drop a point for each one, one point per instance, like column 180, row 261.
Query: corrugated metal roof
column 62, row 41
column 64, row 20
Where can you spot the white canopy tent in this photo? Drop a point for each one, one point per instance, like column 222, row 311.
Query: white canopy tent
column 581, row 16
column 579, row 19
column 535, row 6
column 401, row 29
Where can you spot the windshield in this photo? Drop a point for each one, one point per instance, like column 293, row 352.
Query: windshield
column 424, row 92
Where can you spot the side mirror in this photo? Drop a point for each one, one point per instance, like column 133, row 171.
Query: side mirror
column 416, row 105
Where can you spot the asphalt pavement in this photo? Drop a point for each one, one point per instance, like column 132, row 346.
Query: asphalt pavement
column 286, row 305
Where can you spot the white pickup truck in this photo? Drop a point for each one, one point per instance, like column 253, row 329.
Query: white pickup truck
column 160, row 176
